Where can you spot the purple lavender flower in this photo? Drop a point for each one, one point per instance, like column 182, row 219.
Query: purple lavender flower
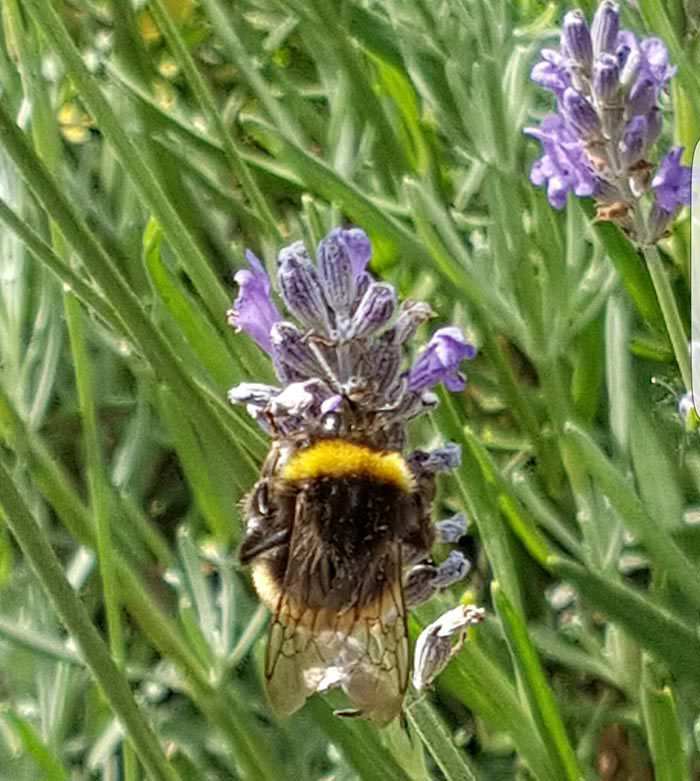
column 671, row 185
column 608, row 84
column 440, row 360
column 253, row 310
column 340, row 363
column 671, row 188
column 564, row 167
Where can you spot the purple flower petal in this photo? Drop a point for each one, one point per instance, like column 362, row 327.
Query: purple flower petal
column 656, row 60
column 564, row 166
column 671, row 185
column 253, row 310
column 440, row 360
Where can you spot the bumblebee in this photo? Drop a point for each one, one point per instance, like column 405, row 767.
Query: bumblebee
column 338, row 527
column 331, row 526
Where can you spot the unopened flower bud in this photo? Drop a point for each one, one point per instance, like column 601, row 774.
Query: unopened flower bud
column 576, row 38
column 606, row 78
column 580, row 114
column 605, row 27
column 642, row 96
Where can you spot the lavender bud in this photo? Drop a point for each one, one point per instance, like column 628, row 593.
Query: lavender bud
column 606, row 78
column 418, row 587
column 622, row 53
column 659, row 220
column 580, row 114
column 630, row 70
column 362, row 283
column 335, row 272
column 359, row 248
column 642, row 96
column 453, row 569
column 576, row 38
column 301, row 288
column 291, row 354
column 374, row 311
column 412, row 315
column 653, row 125
column 442, row 459
column 451, row 529
column 605, row 27
column 633, row 143
column 384, row 366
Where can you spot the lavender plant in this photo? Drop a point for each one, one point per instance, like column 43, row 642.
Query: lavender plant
column 609, row 85
column 143, row 146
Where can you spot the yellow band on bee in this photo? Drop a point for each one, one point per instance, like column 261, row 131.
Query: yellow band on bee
column 339, row 458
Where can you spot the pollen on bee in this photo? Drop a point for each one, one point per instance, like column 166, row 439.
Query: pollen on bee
column 340, row 458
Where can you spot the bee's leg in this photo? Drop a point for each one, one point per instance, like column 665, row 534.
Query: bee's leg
column 451, row 529
column 425, row 580
column 260, row 540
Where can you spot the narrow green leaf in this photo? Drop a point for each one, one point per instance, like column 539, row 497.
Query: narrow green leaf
column 663, row 729
column 115, row 687
column 656, row 473
column 654, row 627
column 359, row 742
column 543, row 706
column 428, row 724
column 474, row 679
column 50, row 765
column 142, row 176
column 659, row 545
column 632, row 270
column 521, row 523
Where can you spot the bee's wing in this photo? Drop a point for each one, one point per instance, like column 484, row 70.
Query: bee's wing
column 363, row 649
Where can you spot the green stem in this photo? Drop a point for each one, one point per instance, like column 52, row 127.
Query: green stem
column 669, row 308
column 74, row 616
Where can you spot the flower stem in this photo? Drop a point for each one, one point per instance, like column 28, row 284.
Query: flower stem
column 669, row 308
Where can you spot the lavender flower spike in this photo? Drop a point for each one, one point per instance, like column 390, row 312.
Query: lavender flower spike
column 342, row 348
column 253, row 310
column 608, row 119
column 440, row 360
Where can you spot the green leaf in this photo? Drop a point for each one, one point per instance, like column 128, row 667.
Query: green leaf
column 431, row 728
column 659, row 545
column 652, row 626
column 663, row 729
column 543, row 706
column 51, row 767
column 632, row 270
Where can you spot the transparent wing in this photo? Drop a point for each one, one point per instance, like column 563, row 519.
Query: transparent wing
column 363, row 650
